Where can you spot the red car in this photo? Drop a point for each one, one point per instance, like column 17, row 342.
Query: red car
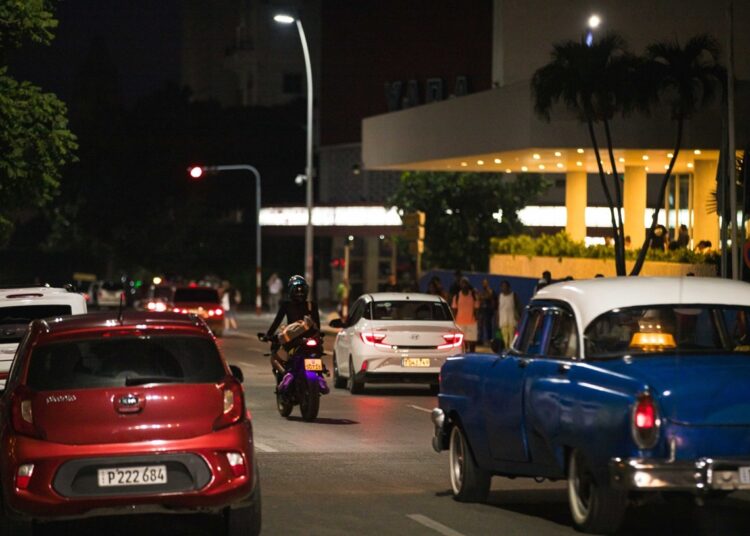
column 105, row 415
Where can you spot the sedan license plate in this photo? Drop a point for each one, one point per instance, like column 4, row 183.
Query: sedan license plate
column 314, row 364
column 416, row 362
column 744, row 475
column 145, row 475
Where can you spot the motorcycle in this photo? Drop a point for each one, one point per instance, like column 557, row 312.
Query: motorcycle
column 302, row 381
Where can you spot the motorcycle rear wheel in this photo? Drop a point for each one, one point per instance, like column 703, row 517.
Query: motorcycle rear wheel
column 309, row 404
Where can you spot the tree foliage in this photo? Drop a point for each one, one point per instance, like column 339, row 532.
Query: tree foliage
column 35, row 142
column 460, row 208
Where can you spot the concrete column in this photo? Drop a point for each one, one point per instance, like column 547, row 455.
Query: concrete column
column 372, row 257
column 576, row 200
column 705, row 225
column 634, row 203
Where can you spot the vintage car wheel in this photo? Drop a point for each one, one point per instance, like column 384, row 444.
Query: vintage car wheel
column 339, row 382
column 352, row 384
column 469, row 482
column 595, row 508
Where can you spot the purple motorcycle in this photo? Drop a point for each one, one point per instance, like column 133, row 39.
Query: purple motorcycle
column 302, row 381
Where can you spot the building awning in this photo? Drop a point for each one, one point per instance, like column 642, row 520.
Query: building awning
column 497, row 130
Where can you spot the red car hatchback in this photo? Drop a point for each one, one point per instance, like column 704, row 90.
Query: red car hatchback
column 104, row 415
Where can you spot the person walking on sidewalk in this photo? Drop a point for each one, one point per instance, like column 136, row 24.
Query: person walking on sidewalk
column 508, row 313
column 487, row 307
column 275, row 286
column 465, row 305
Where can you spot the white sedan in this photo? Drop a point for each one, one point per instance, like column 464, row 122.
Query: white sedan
column 394, row 337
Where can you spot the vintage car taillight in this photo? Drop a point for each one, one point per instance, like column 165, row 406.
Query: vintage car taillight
column 233, row 405
column 645, row 421
column 22, row 416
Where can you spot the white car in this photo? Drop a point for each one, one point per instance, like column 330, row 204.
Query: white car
column 19, row 306
column 394, row 337
column 109, row 294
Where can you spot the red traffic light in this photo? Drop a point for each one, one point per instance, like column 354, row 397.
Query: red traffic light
column 196, row 172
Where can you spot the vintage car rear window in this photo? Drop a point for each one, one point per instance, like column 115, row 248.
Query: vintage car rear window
column 123, row 361
column 410, row 310
column 15, row 319
column 196, row 294
column 669, row 328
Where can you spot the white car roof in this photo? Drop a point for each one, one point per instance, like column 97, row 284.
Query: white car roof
column 590, row 298
column 42, row 296
column 402, row 296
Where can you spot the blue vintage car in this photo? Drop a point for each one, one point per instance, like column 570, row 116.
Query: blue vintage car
column 622, row 386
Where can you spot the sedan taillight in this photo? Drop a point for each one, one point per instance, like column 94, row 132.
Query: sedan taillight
column 645, row 421
column 452, row 340
column 371, row 338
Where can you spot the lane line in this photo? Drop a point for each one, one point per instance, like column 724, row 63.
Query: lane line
column 434, row 525
column 418, row 408
column 264, row 448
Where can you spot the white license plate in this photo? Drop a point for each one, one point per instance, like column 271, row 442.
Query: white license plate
column 144, row 475
column 314, row 364
column 744, row 475
column 416, row 362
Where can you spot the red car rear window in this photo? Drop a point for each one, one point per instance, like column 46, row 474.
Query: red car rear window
column 124, row 361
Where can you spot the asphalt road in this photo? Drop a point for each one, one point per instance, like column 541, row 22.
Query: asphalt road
column 366, row 467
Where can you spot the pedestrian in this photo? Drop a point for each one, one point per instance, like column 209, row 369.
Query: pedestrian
column 487, row 306
column 392, row 285
column 342, row 295
column 230, row 320
column 544, row 281
column 455, row 286
column 435, row 287
column 465, row 305
column 275, row 288
column 508, row 313
column 235, row 299
column 660, row 238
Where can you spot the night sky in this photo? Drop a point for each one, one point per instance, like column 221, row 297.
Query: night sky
column 142, row 36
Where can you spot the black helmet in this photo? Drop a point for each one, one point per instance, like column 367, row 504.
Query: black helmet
column 298, row 288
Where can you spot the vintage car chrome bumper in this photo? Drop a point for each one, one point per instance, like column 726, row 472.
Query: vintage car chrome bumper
column 704, row 474
column 439, row 437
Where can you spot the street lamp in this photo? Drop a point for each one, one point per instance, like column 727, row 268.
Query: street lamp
column 284, row 18
column 196, row 172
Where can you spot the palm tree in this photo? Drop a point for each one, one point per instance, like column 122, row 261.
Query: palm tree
column 686, row 79
column 596, row 83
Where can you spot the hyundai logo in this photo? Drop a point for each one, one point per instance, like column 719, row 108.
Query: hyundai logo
column 414, row 336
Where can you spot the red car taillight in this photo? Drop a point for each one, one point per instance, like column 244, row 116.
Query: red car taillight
column 23, row 475
column 371, row 338
column 452, row 340
column 219, row 311
column 645, row 421
column 234, row 405
column 22, row 416
column 237, row 463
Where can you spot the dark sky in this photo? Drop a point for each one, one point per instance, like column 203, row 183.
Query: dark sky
column 143, row 38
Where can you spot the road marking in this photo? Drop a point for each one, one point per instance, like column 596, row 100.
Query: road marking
column 264, row 448
column 434, row 525
column 418, row 408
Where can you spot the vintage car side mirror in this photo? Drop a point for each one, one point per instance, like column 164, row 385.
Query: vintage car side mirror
column 337, row 323
column 237, row 373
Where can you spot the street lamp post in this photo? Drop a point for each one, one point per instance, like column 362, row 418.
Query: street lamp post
column 288, row 19
column 196, row 173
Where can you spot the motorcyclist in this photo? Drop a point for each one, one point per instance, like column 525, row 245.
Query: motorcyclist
column 295, row 308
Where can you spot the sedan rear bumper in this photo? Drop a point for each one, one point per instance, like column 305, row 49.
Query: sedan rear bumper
column 701, row 475
column 398, row 377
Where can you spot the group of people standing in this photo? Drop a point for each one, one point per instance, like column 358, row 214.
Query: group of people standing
column 482, row 314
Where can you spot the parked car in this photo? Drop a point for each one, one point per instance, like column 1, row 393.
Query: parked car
column 394, row 337
column 203, row 302
column 19, row 306
column 623, row 386
column 108, row 415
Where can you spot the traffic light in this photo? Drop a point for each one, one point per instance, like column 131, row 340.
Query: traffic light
column 196, row 172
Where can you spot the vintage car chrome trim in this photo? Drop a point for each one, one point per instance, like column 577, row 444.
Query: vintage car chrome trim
column 438, row 419
column 703, row 474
